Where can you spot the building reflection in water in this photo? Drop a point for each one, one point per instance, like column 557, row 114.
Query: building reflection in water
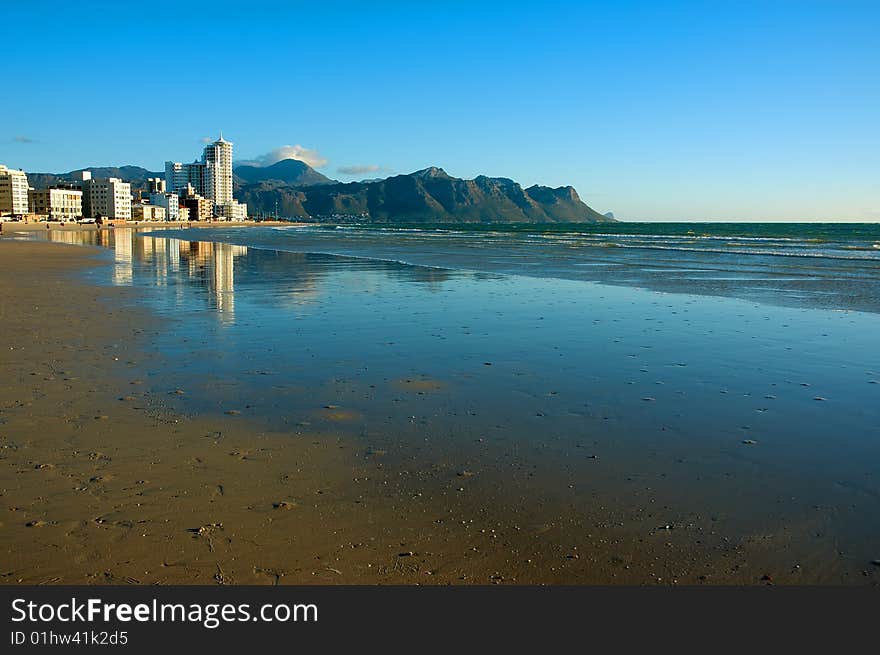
column 213, row 264
column 123, row 253
column 176, row 264
column 207, row 264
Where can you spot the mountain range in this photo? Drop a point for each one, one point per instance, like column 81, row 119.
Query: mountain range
column 430, row 195
column 295, row 190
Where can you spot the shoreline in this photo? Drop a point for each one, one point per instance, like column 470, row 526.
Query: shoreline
column 11, row 227
column 102, row 480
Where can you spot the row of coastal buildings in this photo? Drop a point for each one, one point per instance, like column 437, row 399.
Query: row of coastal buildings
column 200, row 191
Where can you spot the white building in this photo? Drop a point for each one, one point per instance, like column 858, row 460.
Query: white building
column 231, row 211
column 142, row 212
column 218, row 171
column 58, row 204
column 170, row 202
column 211, row 177
column 13, row 191
column 110, row 198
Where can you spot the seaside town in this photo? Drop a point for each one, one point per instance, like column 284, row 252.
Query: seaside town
column 200, row 191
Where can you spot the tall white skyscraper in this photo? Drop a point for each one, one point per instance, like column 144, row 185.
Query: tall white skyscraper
column 210, row 178
column 218, row 171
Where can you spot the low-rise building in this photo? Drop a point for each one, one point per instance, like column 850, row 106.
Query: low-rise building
column 56, row 203
column 13, row 192
column 183, row 213
column 169, row 201
column 143, row 212
column 231, row 211
column 200, row 208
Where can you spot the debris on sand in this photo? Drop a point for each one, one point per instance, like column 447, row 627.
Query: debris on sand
column 205, row 530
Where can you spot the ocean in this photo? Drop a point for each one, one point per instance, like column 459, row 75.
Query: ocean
column 834, row 266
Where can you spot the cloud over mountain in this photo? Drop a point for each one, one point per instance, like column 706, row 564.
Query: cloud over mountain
column 306, row 155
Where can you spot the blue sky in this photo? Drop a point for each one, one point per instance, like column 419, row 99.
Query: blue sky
column 653, row 110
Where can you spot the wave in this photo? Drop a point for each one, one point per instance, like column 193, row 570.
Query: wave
column 371, row 258
column 770, row 253
column 488, row 240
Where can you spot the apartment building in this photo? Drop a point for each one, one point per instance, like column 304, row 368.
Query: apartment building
column 210, row 178
column 178, row 176
column 231, row 211
column 200, row 208
column 56, row 203
column 13, row 192
column 168, row 201
column 110, row 198
column 217, row 158
column 142, row 212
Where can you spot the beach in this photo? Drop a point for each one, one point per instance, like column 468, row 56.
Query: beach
column 158, row 427
column 101, row 483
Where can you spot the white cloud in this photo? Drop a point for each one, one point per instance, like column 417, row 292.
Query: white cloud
column 311, row 157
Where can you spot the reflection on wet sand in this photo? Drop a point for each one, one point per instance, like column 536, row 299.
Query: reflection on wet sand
column 149, row 260
column 207, row 264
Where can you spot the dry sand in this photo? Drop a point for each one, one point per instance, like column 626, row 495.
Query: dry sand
column 102, row 482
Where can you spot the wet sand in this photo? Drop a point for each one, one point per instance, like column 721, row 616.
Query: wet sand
column 104, row 482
